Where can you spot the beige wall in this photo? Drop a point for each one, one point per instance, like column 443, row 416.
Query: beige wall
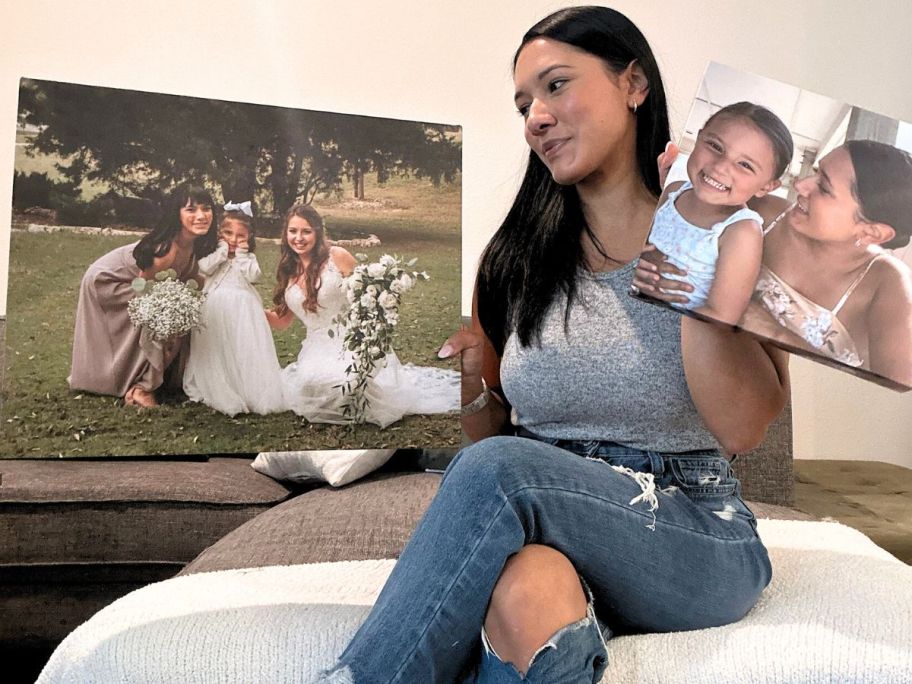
column 450, row 62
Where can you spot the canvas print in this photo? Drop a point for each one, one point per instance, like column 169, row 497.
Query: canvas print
column 788, row 214
column 199, row 276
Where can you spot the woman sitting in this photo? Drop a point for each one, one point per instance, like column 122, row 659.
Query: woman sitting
column 616, row 511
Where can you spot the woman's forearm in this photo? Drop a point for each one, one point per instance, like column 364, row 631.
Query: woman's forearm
column 209, row 263
column 487, row 422
column 250, row 267
column 159, row 264
column 479, row 360
column 738, row 384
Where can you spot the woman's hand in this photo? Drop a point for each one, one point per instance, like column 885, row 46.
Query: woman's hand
column 471, row 346
column 478, row 361
column 666, row 160
column 278, row 322
column 648, row 280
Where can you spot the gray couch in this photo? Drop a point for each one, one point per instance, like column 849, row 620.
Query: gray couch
column 77, row 534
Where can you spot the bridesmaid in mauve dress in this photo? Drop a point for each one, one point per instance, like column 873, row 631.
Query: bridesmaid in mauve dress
column 111, row 355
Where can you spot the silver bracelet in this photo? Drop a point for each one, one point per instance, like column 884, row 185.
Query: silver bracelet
column 478, row 403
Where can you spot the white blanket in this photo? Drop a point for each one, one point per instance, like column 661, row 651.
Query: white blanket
column 839, row 609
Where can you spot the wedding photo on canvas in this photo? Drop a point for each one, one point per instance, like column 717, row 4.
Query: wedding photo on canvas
column 196, row 276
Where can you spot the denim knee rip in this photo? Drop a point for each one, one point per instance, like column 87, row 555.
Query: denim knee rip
column 584, row 635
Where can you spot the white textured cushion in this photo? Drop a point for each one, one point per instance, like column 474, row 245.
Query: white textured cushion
column 337, row 467
column 839, row 609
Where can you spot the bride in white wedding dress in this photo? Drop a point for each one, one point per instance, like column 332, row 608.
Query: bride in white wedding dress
column 310, row 288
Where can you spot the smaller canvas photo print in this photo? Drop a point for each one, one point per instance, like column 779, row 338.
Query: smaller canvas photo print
column 788, row 214
column 198, row 276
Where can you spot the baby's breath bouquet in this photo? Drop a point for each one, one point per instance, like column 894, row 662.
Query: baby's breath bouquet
column 374, row 292
column 165, row 307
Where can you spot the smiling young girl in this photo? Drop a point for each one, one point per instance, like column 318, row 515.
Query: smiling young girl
column 703, row 225
column 233, row 366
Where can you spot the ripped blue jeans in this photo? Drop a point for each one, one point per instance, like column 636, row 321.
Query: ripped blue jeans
column 663, row 541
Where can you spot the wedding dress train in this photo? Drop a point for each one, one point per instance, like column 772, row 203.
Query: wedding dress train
column 312, row 384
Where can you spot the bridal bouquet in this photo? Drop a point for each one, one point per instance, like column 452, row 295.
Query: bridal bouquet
column 374, row 292
column 167, row 307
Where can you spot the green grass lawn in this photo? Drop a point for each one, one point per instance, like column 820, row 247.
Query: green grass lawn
column 42, row 417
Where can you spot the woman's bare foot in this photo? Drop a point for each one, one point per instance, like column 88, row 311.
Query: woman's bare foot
column 137, row 396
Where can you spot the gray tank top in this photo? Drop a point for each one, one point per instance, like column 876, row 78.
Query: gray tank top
column 616, row 375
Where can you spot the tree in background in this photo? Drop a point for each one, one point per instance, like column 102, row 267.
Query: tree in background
column 142, row 144
column 389, row 147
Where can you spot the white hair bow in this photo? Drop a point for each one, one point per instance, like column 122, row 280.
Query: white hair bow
column 243, row 207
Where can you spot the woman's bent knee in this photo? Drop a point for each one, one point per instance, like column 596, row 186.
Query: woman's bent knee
column 538, row 593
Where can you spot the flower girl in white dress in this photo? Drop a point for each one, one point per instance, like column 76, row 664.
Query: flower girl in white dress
column 310, row 288
column 233, row 366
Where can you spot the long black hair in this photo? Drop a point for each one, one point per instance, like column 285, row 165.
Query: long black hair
column 883, row 186
column 537, row 252
column 157, row 242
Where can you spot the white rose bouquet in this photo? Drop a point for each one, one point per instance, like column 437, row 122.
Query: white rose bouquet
column 374, row 292
column 165, row 307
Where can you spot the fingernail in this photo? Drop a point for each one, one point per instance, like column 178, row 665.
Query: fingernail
column 667, row 145
column 446, row 351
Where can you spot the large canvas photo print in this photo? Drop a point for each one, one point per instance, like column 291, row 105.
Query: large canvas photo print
column 788, row 214
column 196, row 276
